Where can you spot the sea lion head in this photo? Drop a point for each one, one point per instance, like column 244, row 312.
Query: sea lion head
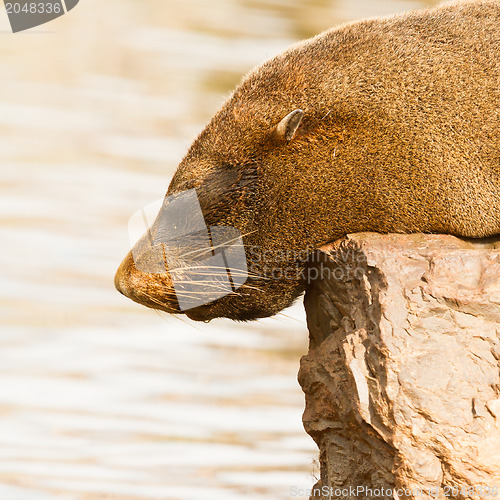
column 217, row 247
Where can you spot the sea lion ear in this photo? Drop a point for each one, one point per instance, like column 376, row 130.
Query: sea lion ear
column 287, row 127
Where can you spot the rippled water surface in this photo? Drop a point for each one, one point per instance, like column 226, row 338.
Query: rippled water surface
column 100, row 398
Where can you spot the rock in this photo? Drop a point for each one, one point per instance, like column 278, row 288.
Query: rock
column 402, row 378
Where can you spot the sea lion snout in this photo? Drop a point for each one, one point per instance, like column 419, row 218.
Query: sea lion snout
column 145, row 288
column 124, row 281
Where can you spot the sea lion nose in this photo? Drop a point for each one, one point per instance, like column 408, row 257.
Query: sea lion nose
column 124, row 277
column 149, row 289
column 120, row 284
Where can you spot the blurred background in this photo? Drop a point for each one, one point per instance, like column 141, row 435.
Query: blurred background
column 99, row 397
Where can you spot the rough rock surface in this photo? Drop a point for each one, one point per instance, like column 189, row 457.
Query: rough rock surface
column 402, row 378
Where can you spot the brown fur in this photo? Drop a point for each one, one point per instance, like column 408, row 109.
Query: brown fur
column 400, row 133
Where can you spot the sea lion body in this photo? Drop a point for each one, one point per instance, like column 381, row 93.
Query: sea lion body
column 386, row 125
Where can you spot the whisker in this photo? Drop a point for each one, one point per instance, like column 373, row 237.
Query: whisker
column 153, row 299
column 161, row 314
column 209, row 284
column 282, row 316
column 185, row 321
column 177, row 317
column 203, row 271
column 208, row 250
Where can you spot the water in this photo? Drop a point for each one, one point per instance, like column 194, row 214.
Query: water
column 100, row 398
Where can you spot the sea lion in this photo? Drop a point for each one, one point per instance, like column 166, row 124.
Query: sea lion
column 386, row 125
